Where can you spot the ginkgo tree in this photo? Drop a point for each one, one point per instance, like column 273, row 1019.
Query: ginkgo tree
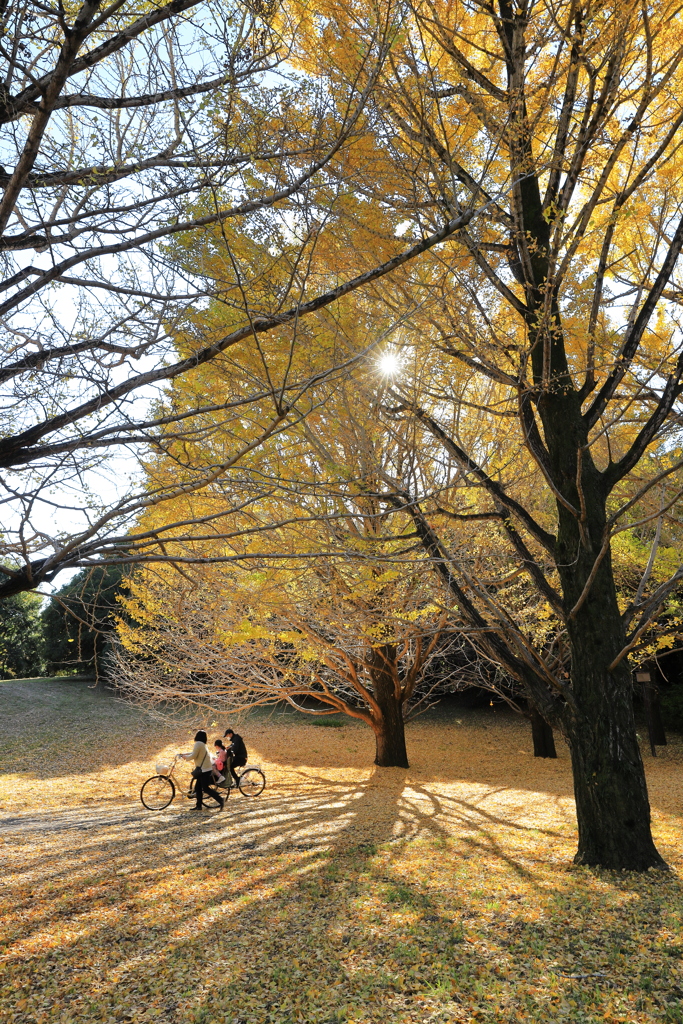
column 337, row 638
column 316, row 596
column 567, row 120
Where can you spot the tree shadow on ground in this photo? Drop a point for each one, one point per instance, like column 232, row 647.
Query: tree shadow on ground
column 349, row 904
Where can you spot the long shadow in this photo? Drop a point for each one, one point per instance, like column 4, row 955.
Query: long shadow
column 274, row 919
column 185, row 842
column 325, row 823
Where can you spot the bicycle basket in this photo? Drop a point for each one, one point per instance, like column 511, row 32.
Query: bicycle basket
column 162, row 769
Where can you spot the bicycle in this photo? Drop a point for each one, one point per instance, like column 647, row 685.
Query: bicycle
column 159, row 791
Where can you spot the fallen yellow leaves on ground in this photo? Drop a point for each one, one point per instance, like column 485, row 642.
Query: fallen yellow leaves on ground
column 345, row 893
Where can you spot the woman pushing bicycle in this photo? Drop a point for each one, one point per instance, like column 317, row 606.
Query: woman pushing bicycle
column 159, row 791
column 203, row 771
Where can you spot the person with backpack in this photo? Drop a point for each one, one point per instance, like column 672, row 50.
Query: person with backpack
column 237, row 752
column 203, row 771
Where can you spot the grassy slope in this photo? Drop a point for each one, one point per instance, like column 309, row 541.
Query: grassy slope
column 345, row 893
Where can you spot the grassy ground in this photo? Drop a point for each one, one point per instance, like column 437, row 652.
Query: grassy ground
column 345, row 893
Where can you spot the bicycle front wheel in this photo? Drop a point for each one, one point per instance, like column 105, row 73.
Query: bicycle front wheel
column 252, row 782
column 157, row 792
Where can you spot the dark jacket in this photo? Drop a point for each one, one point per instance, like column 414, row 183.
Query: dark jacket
column 238, row 749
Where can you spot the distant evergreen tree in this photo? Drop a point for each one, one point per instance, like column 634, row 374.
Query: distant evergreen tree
column 79, row 619
column 21, row 640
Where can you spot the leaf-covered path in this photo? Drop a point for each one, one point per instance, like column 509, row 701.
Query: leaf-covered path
column 343, row 893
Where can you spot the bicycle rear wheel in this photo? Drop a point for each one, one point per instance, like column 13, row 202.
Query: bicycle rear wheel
column 252, row 782
column 157, row 792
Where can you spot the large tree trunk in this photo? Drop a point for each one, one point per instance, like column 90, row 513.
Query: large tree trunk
column 390, row 742
column 612, row 805
column 389, row 729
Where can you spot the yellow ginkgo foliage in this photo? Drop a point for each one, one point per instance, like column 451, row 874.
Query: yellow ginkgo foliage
column 319, row 598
